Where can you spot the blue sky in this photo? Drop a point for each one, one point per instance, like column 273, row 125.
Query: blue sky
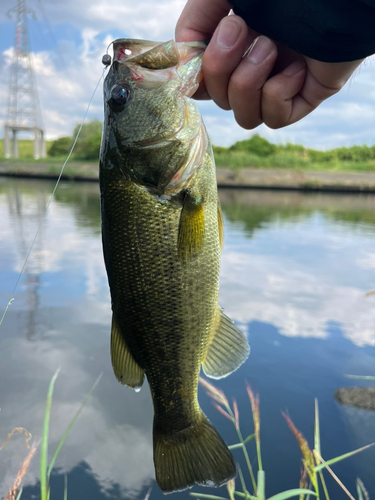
column 69, row 38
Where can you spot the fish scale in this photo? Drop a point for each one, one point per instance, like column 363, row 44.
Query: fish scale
column 158, row 300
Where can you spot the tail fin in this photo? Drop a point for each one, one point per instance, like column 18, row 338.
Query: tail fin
column 194, row 455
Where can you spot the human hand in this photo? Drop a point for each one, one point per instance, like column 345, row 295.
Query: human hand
column 271, row 83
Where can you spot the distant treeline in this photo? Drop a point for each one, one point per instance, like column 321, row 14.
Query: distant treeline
column 259, row 146
column 88, row 143
column 255, row 152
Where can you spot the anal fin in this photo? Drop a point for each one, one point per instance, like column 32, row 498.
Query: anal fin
column 228, row 348
column 126, row 369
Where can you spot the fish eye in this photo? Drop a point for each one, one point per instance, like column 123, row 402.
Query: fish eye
column 120, row 95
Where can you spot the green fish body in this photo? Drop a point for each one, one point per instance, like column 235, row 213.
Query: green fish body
column 162, row 236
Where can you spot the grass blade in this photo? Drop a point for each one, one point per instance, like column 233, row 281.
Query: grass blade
column 20, row 493
column 361, row 490
column 292, row 493
column 249, row 438
column 324, row 485
column 242, row 481
column 341, row 457
column 148, row 494
column 245, row 495
column 261, row 485
column 84, row 401
column 201, row 495
column 44, row 445
column 65, row 487
column 234, row 446
column 317, row 429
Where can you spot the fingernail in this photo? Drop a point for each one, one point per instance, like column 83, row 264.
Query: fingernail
column 228, row 34
column 294, row 68
column 260, row 49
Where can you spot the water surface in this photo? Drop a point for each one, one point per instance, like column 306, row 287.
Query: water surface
column 295, row 272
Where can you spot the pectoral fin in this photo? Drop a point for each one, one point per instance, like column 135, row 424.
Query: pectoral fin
column 228, row 348
column 191, row 231
column 126, row 369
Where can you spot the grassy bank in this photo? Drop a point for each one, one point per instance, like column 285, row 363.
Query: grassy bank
column 255, row 152
column 26, row 148
column 287, row 160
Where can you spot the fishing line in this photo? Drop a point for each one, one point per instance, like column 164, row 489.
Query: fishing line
column 53, row 192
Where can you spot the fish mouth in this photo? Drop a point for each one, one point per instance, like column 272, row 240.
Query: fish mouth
column 156, row 55
column 153, row 63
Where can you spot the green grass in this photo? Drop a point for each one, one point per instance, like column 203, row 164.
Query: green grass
column 312, row 482
column 45, row 468
column 257, row 152
column 26, row 148
column 288, row 160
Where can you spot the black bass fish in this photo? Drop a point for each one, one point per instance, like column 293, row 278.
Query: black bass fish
column 162, row 231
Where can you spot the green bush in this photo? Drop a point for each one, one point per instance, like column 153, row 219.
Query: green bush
column 355, row 153
column 256, row 145
column 88, row 144
column 60, row 147
column 218, row 150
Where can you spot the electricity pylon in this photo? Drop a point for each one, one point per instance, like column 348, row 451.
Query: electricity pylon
column 23, row 103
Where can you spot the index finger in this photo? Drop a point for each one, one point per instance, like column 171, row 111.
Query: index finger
column 200, row 18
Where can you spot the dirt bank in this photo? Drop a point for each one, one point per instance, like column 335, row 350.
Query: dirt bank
column 241, row 178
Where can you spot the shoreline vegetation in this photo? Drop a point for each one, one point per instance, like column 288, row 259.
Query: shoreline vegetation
column 253, row 162
column 311, row 484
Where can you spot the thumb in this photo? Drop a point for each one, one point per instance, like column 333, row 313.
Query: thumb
column 200, row 18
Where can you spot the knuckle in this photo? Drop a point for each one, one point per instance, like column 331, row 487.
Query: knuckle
column 241, row 85
column 215, row 65
column 271, row 93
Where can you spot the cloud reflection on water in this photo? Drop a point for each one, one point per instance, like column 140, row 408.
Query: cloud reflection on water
column 306, row 264
column 103, row 435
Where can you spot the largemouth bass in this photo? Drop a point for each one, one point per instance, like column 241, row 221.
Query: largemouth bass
column 162, row 234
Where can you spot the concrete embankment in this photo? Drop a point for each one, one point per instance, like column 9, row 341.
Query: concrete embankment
column 240, row 178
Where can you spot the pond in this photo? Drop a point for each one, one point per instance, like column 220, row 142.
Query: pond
column 296, row 269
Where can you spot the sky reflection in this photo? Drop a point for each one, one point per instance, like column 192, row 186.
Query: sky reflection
column 295, row 271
